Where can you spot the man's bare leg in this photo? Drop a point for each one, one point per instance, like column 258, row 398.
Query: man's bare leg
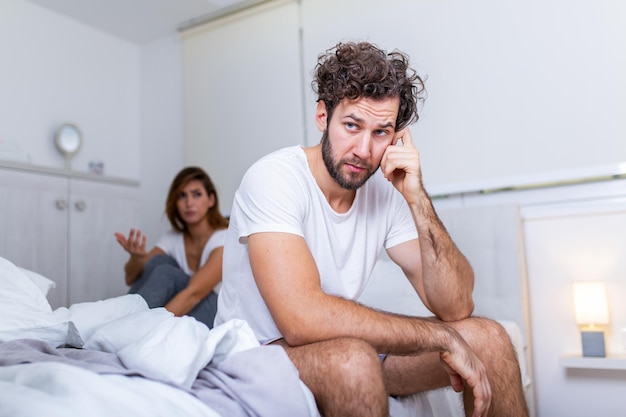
column 345, row 376
column 405, row 375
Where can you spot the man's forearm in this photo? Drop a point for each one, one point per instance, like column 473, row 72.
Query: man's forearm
column 447, row 274
column 386, row 332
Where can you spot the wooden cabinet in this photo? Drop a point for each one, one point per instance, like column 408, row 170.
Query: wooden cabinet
column 61, row 225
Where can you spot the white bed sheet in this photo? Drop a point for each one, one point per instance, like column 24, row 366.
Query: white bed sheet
column 55, row 389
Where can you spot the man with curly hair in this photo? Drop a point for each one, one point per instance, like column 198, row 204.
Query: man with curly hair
column 307, row 227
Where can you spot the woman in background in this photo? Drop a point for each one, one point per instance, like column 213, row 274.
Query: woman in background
column 183, row 271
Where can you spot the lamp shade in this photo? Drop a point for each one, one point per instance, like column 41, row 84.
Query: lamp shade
column 591, row 303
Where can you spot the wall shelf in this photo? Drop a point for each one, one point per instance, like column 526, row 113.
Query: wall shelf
column 38, row 169
column 610, row 362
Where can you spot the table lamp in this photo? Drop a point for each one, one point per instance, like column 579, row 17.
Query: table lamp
column 592, row 314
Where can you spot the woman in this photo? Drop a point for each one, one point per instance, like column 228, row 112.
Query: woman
column 183, row 271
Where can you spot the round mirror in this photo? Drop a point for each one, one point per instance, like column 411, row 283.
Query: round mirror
column 68, row 140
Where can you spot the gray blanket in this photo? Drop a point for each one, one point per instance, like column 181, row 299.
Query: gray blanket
column 259, row 382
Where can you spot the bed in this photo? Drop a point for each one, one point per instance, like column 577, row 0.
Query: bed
column 118, row 357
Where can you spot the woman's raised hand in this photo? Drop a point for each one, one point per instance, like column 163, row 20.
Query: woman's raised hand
column 135, row 244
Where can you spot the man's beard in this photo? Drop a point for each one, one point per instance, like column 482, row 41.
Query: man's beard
column 351, row 181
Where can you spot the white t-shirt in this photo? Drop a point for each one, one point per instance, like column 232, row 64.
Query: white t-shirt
column 279, row 194
column 173, row 244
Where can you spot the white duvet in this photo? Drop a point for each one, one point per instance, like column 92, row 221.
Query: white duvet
column 162, row 347
column 169, row 352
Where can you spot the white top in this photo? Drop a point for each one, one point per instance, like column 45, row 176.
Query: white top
column 279, row 194
column 173, row 244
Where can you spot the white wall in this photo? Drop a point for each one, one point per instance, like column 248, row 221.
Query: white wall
column 243, row 97
column 571, row 233
column 162, row 130
column 54, row 70
column 577, row 241
column 514, row 87
column 126, row 99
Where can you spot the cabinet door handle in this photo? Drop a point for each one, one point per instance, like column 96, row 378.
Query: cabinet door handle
column 80, row 205
column 61, row 204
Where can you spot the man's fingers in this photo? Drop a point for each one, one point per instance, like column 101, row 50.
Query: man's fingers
column 397, row 140
column 474, row 376
column 456, row 382
column 482, row 401
column 482, row 397
column 407, row 139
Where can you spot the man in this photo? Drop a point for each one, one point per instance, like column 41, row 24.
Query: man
column 307, row 226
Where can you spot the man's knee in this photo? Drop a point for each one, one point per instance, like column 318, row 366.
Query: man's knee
column 342, row 358
column 488, row 338
column 344, row 374
column 356, row 359
column 493, row 345
column 480, row 328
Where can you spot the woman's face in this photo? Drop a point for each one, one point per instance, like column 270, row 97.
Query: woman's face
column 193, row 202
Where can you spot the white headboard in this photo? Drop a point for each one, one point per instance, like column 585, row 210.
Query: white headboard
column 491, row 238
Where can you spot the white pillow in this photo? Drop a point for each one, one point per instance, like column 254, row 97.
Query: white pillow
column 25, row 312
column 44, row 284
column 13, row 283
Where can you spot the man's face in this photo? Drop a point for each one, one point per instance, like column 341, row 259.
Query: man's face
column 356, row 138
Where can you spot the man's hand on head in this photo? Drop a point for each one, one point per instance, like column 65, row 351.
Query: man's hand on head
column 401, row 165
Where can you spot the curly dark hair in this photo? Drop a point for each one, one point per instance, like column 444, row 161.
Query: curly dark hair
column 184, row 177
column 352, row 70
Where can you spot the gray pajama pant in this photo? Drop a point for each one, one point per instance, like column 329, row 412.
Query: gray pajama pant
column 162, row 279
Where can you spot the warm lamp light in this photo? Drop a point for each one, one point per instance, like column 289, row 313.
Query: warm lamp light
column 592, row 312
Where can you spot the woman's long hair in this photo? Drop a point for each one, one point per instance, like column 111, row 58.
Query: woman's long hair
column 180, row 181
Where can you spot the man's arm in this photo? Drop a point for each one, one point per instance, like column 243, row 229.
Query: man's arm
column 289, row 282
column 438, row 271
